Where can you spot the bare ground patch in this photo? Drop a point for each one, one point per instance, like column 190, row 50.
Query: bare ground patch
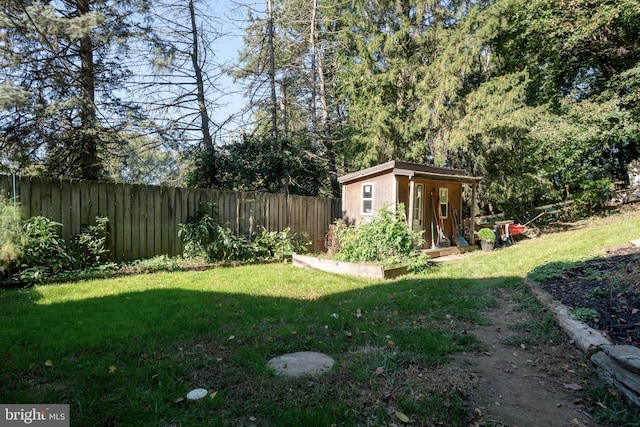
column 523, row 385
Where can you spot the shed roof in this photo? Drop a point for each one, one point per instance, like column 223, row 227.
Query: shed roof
column 409, row 169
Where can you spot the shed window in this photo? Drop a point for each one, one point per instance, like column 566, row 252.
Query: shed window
column 443, row 201
column 367, row 199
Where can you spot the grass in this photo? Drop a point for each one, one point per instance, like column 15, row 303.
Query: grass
column 126, row 350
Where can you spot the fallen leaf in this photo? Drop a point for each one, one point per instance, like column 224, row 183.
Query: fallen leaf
column 213, row 394
column 573, row 386
column 613, row 392
column 576, row 423
column 178, row 400
column 379, row 370
column 112, row 369
column 402, row 417
column 252, row 418
column 358, row 313
column 232, row 337
column 48, row 362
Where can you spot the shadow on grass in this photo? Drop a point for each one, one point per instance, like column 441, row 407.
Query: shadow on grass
column 129, row 358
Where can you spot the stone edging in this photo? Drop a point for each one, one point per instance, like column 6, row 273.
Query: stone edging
column 618, row 365
column 587, row 339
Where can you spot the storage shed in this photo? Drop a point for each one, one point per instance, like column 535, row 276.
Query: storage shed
column 432, row 197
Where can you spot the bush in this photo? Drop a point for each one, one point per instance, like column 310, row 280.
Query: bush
column 44, row 252
column 386, row 236
column 91, row 244
column 279, row 244
column 206, row 238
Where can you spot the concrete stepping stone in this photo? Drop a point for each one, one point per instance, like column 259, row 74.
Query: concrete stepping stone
column 301, row 363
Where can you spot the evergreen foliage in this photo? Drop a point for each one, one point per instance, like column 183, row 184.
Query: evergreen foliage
column 541, row 98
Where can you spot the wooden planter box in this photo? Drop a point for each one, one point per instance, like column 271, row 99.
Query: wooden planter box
column 348, row 268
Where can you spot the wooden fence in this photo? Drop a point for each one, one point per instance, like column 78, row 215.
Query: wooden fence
column 143, row 219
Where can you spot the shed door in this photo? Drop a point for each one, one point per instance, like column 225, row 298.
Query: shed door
column 418, row 207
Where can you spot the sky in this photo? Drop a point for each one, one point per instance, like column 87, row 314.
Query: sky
column 231, row 16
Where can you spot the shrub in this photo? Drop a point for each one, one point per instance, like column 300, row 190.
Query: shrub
column 91, row 244
column 206, row 238
column 279, row 244
column 387, row 235
column 44, row 252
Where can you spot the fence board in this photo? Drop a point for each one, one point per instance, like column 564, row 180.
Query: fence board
column 35, row 199
column 111, row 214
column 143, row 220
column 65, row 210
column 151, row 217
column 118, row 222
column 126, row 221
column 157, row 219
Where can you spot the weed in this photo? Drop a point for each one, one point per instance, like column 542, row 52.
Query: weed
column 91, row 243
column 608, row 406
column 585, row 314
column 550, row 271
column 597, row 293
column 157, row 263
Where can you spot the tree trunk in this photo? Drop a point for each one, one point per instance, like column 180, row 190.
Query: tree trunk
column 326, row 131
column 207, row 141
column 272, row 75
column 312, row 78
column 89, row 163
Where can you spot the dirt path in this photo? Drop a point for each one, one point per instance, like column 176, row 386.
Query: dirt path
column 526, row 386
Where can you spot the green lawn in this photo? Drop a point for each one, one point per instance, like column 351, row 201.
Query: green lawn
column 124, row 351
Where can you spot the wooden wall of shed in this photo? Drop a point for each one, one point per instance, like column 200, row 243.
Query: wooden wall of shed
column 384, row 188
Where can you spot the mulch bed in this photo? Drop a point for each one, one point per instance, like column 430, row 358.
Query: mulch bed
column 609, row 285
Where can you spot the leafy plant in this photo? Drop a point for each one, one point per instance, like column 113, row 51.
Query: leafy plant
column 418, row 263
column 44, row 252
column 206, row 238
column 487, row 235
column 92, row 243
column 279, row 244
column 157, row 263
column 597, row 293
column 585, row 314
column 550, row 271
column 387, row 235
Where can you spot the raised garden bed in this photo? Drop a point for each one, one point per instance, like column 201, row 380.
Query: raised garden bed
column 349, row 268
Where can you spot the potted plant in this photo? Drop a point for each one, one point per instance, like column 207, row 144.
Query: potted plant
column 487, row 238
